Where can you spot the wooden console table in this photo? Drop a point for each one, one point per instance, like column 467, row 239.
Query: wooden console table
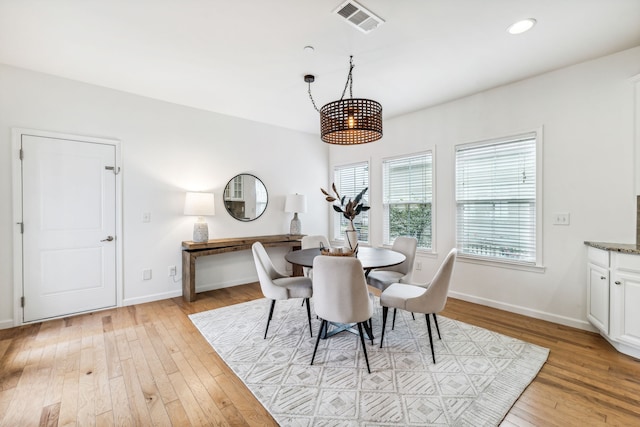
column 192, row 250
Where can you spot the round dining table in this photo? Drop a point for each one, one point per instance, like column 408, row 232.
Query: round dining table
column 369, row 257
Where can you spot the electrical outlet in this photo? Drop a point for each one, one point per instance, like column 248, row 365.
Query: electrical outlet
column 418, row 265
column 172, row 270
column 146, row 217
column 146, row 274
column 561, row 218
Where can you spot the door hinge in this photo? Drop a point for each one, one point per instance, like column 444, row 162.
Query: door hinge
column 21, row 224
column 21, row 154
column 22, row 302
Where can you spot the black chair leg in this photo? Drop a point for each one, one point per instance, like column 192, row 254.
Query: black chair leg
column 309, row 316
column 393, row 324
column 385, row 311
column 364, row 347
column 413, row 316
column 433, row 353
column 435, row 319
column 273, row 304
column 322, row 325
column 368, row 329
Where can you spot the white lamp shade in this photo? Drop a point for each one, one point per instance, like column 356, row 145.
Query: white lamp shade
column 296, row 203
column 199, row 204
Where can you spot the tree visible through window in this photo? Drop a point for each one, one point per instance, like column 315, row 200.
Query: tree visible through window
column 407, row 198
column 496, row 199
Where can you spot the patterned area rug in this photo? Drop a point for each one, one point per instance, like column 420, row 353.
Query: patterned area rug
column 478, row 376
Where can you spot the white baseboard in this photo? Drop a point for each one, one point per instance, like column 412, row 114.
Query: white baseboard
column 151, row 298
column 6, row 324
column 178, row 293
column 536, row 314
column 227, row 284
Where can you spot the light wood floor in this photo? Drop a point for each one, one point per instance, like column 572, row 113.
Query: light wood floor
column 147, row 364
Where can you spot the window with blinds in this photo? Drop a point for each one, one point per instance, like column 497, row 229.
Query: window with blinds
column 351, row 180
column 496, row 199
column 407, row 198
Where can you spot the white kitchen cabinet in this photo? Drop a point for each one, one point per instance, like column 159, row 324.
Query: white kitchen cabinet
column 613, row 295
column 625, row 299
column 598, row 289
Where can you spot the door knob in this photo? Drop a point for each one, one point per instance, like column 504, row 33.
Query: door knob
column 108, row 239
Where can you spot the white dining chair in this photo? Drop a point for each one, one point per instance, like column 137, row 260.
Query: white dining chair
column 310, row 242
column 340, row 296
column 381, row 278
column 278, row 286
column 429, row 299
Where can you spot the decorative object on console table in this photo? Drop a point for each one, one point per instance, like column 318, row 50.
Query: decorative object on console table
column 200, row 205
column 350, row 210
column 296, row 203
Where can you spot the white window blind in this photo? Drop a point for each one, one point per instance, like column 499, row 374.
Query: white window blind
column 351, row 180
column 407, row 198
column 496, row 199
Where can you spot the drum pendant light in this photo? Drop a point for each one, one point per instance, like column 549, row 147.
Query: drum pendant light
column 348, row 121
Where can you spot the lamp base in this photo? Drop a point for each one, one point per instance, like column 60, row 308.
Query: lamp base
column 296, row 225
column 200, row 232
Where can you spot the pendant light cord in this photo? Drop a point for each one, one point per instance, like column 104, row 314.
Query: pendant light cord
column 311, row 98
column 348, row 83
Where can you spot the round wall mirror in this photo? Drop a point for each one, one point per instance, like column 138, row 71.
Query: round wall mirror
column 245, row 197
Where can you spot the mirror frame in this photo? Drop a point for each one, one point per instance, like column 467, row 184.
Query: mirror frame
column 227, row 188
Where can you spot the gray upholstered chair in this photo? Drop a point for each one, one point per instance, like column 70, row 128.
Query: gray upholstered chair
column 429, row 299
column 381, row 278
column 340, row 295
column 313, row 241
column 278, row 286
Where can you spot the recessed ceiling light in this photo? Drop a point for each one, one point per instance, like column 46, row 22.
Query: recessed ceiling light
column 308, row 49
column 522, row 26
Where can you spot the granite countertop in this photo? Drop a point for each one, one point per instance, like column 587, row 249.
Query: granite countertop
column 627, row 248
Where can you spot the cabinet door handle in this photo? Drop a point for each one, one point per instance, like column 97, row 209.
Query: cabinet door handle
column 617, row 282
column 603, row 277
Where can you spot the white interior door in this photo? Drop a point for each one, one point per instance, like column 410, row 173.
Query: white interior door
column 69, row 220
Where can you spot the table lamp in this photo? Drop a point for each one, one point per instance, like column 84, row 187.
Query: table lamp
column 200, row 205
column 295, row 203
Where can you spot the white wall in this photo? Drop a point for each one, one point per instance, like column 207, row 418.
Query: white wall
column 586, row 112
column 167, row 149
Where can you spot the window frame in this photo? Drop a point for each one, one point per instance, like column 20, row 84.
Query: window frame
column 335, row 217
column 536, row 266
column 384, row 214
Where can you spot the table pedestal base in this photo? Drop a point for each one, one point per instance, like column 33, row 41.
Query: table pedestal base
column 347, row 327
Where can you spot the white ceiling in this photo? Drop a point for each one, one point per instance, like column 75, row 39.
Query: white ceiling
column 245, row 58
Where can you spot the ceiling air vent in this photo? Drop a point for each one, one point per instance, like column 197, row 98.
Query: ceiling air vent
column 358, row 16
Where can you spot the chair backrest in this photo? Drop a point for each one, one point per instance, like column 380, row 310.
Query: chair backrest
column 340, row 290
column 406, row 246
column 314, row 241
column 267, row 273
column 435, row 297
